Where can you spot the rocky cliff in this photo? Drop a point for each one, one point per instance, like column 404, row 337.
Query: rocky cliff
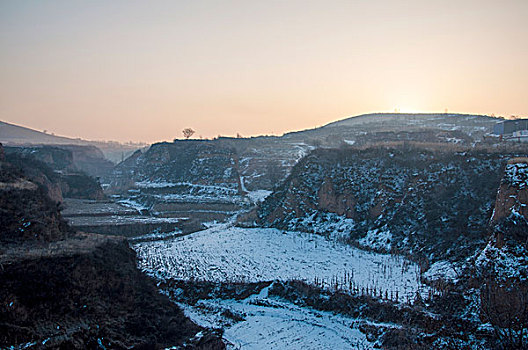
column 432, row 203
column 68, row 158
column 502, row 266
column 512, row 197
column 17, row 166
column 54, row 170
column 187, row 161
column 506, row 256
column 27, row 212
column 62, row 289
column 261, row 162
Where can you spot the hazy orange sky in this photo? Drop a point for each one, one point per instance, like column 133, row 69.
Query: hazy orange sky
column 144, row 70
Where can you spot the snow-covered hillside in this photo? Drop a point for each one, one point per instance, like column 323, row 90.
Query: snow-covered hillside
column 434, row 204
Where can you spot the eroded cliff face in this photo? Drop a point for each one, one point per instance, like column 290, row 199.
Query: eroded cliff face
column 430, row 203
column 70, row 290
column 502, row 265
column 245, row 164
column 28, row 213
column 55, row 177
column 512, row 196
column 68, row 158
column 328, row 199
column 184, row 161
column 260, row 163
column 90, row 160
column 506, row 255
column 29, row 204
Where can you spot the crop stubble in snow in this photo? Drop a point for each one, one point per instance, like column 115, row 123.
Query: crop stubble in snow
column 224, row 253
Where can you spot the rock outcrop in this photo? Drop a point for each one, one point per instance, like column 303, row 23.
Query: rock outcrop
column 56, row 175
column 187, row 161
column 502, row 265
column 68, row 290
column 432, row 203
column 506, row 256
column 512, row 197
column 68, row 158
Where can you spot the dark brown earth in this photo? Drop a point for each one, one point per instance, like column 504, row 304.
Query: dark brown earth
column 62, row 289
column 86, row 290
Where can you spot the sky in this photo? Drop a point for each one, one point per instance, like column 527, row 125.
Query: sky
column 144, row 70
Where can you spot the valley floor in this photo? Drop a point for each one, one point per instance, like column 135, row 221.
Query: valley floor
column 227, row 254
column 271, row 323
column 224, row 253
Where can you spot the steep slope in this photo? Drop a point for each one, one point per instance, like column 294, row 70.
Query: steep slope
column 430, row 203
column 171, row 178
column 55, row 173
column 185, row 161
column 62, row 289
column 512, row 198
column 68, row 158
column 503, row 263
column 182, row 179
column 27, row 212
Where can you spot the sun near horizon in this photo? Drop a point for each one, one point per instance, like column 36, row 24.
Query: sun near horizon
column 143, row 71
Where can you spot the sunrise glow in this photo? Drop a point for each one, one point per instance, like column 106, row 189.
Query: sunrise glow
column 141, row 71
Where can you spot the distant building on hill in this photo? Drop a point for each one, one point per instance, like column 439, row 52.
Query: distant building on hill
column 512, row 130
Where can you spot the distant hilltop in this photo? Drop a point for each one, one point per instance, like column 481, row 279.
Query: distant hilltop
column 411, row 117
column 11, row 134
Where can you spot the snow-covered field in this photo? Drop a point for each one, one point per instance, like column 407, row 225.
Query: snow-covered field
column 165, row 184
column 270, row 323
column 225, row 253
column 120, row 220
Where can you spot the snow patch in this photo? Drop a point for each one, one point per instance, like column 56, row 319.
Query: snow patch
column 377, row 239
column 441, row 270
column 258, row 196
column 130, row 203
column 327, row 224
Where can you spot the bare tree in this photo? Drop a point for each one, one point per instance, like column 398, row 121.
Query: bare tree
column 188, row 132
